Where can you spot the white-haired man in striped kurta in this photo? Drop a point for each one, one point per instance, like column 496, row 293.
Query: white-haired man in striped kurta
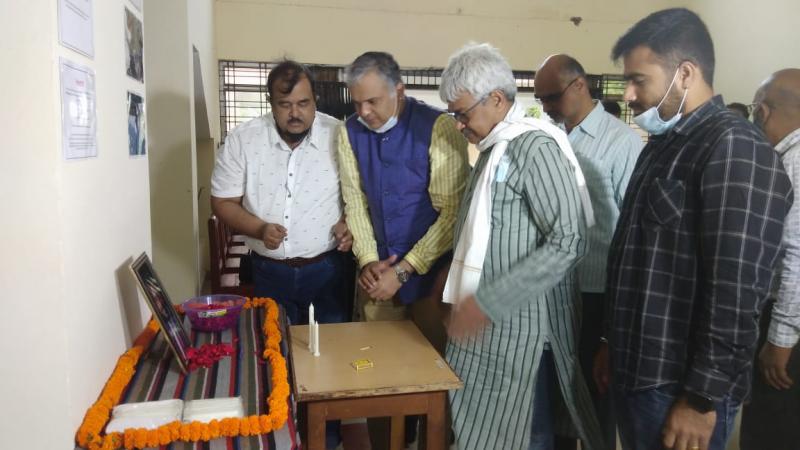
column 520, row 231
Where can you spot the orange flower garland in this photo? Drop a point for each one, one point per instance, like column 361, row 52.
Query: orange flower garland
column 88, row 435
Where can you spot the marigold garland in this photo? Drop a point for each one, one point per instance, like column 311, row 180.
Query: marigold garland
column 89, row 433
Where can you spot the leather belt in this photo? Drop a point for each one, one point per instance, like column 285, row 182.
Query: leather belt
column 295, row 262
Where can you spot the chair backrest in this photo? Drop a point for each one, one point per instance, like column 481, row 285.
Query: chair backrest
column 216, row 250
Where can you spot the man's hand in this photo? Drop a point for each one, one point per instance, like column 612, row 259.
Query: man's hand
column 272, row 234
column 371, row 273
column 686, row 428
column 772, row 361
column 601, row 368
column 386, row 287
column 466, row 320
column 343, row 236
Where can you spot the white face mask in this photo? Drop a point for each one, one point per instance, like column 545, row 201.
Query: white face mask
column 651, row 121
column 386, row 126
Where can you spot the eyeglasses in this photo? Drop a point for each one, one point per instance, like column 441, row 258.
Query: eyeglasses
column 462, row 116
column 554, row 98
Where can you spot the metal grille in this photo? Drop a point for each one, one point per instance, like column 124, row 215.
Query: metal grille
column 243, row 89
column 613, row 88
column 242, row 92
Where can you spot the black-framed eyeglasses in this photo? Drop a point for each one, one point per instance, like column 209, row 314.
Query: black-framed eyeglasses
column 462, row 116
column 554, row 98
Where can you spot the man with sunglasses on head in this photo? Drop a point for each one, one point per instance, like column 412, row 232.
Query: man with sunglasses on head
column 695, row 248
column 607, row 150
column 403, row 167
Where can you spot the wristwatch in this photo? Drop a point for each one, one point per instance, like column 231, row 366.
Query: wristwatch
column 699, row 402
column 402, row 275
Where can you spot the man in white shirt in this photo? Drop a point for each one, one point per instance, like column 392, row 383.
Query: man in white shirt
column 607, row 149
column 276, row 180
column 770, row 421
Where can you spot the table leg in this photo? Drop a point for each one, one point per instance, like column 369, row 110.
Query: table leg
column 316, row 425
column 398, row 433
column 435, row 420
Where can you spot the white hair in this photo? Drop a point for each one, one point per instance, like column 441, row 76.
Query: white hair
column 477, row 69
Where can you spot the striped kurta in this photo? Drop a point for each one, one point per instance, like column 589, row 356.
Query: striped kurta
column 528, row 289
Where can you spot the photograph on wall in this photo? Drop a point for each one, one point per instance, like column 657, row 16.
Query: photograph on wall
column 134, row 46
column 137, row 4
column 162, row 308
column 137, row 143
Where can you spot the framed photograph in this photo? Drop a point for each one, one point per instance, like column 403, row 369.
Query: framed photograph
column 134, row 46
column 163, row 310
column 137, row 134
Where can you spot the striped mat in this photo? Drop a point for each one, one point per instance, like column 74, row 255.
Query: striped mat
column 243, row 374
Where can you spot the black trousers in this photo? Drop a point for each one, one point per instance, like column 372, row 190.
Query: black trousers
column 591, row 331
column 771, row 419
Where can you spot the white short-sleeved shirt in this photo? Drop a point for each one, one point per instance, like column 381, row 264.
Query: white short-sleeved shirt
column 298, row 188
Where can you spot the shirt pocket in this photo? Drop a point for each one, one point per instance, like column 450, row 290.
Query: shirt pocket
column 664, row 204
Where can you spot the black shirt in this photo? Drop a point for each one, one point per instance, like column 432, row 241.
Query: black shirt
column 693, row 254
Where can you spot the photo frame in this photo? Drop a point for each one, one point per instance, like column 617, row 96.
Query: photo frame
column 137, row 132
column 162, row 308
column 134, row 47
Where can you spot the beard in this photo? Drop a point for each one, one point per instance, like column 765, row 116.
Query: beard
column 292, row 138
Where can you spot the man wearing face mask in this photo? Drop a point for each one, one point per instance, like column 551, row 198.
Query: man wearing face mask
column 695, row 247
column 606, row 149
column 403, row 167
column 770, row 420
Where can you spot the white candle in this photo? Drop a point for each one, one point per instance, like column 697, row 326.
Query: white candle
column 311, row 327
column 316, row 338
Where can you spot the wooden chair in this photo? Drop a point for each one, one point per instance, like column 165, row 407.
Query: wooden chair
column 225, row 264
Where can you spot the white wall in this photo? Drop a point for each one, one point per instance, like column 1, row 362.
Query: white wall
column 178, row 26
column 751, row 40
column 68, row 228
column 423, row 33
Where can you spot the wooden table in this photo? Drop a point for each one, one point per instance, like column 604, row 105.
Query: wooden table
column 408, row 378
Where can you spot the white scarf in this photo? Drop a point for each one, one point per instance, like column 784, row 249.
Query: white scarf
column 470, row 252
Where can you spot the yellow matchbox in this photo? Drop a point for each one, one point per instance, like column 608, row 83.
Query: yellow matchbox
column 361, row 364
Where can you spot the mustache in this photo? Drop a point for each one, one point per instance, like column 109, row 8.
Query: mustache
column 296, row 121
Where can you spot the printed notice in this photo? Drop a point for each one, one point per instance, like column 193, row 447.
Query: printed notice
column 78, row 114
column 75, row 25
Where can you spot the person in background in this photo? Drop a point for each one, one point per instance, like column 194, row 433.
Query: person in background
column 740, row 108
column 607, row 150
column 694, row 251
column 612, row 107
column 770, row 420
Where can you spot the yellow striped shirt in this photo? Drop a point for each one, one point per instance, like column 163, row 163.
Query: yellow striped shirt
column 449, row 170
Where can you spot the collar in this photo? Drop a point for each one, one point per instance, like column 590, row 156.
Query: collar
column 276, row 139
column 688, row 123
column 591, row 122
column 789, row 142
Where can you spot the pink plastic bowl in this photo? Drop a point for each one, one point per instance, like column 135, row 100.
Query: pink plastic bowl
column 213, row 312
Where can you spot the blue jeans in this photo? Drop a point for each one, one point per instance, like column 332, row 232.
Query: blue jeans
column 542, row 437
column 641, row 416
column 294, row 288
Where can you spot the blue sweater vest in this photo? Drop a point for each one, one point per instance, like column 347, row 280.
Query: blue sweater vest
column 395, row 174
